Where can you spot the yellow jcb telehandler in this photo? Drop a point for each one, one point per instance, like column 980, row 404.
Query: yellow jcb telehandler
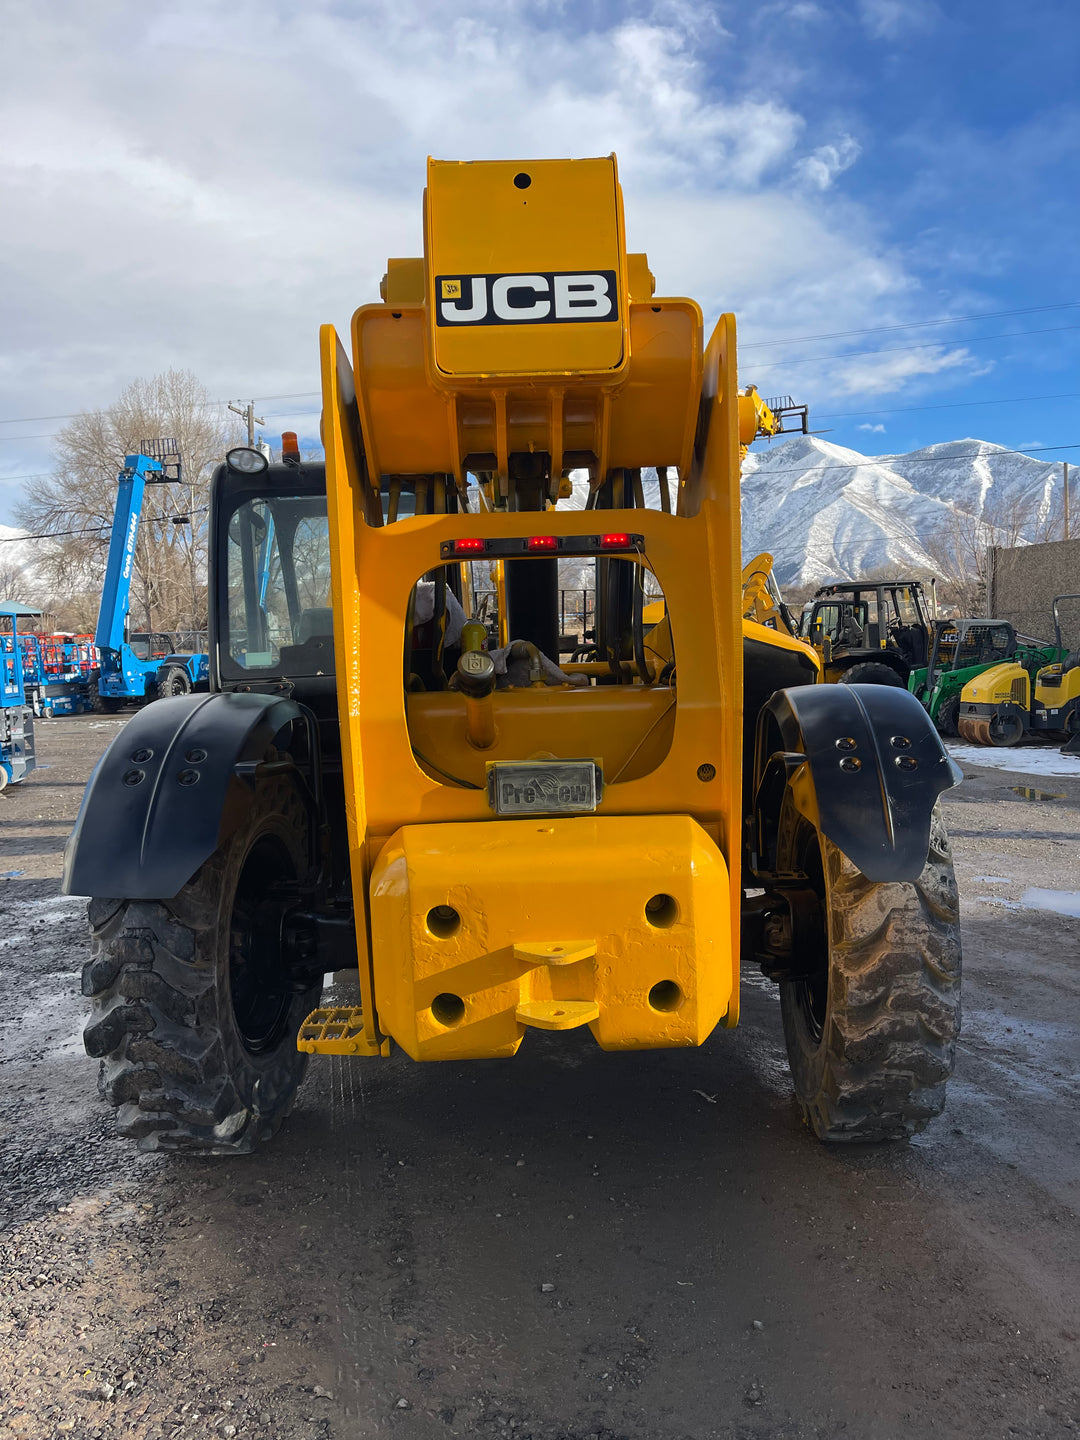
column 495, row 841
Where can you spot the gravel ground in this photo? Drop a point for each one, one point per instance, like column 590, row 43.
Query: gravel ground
column 567, row 1246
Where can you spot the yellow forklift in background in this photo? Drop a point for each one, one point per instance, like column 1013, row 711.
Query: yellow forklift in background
column 495, row 842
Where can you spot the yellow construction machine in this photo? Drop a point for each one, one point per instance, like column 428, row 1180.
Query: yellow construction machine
column 1005, row 704
column 762, row 601
column 397, row 773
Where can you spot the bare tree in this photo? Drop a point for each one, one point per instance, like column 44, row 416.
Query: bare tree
column 76, row 503
column 14, row 582
column 961, row 546
column 956, row 547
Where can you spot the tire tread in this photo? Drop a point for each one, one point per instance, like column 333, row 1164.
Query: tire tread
column 894, row 1006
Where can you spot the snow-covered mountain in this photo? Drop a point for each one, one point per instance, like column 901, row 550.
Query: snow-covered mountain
column 829, row 513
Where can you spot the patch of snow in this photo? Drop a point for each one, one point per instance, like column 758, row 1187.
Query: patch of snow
column 1017, row 760
column 53, row 910
column 1061, row 902
column 991, row 880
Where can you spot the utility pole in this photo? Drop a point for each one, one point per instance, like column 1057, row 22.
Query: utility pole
column 248, row 413
column 1065, row 493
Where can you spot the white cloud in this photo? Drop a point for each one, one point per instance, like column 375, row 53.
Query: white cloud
column 874, row 429
column 821, row 168
column 800, row 11
column 198, row 184
column 889, row 19
column 873, row 375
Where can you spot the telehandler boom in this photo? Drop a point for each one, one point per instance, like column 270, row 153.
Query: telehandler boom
column 495, row 841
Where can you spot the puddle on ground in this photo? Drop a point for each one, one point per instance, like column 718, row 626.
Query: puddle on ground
column 1028, row 792
column 1061, row 902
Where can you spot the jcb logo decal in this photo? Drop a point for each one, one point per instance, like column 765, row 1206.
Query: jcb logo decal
column 544, row 299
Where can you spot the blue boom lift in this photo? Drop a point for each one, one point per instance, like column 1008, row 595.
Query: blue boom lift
column 16, row 716
column 137, row 668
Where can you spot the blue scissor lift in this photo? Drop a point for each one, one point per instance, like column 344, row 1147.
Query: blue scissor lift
column 16, row 716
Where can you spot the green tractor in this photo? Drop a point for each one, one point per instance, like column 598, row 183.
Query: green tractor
column 960, row 650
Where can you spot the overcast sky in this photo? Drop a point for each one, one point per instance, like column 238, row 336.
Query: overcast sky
column 201, row 184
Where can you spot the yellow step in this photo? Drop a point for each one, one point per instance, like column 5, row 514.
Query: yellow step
column 335, row 1030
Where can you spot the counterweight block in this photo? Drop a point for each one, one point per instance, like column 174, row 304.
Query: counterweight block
column 464, row 965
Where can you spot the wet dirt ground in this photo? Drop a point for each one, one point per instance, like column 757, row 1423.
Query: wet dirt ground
column 567, row 1246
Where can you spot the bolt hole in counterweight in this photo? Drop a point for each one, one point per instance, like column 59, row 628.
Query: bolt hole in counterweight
column 662, row 911
column 443, row 921
column 522, row 181
column 448, row 1010
column 666, row 997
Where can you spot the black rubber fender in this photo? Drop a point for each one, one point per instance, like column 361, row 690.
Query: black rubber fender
column 863, row 763
column 176, row 782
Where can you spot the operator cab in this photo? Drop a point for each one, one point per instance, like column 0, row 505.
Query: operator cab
column 887, row 615
column 272, row 623
column 150, row 644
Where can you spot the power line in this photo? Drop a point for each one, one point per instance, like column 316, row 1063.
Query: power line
column 54, row 535
column 818, row 415
column 910, row 325
column 203, row 404
column 953, row 405
column 49, row 435
column 744, row 345
column 929, row 344
column 92, row 529
column 907, row 460
column 773, row 470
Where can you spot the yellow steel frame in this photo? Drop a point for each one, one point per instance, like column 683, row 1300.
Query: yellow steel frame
column 410, row 831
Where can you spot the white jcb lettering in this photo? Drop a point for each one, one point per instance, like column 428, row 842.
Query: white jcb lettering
column 505, row 285
column 526, row 299
column 582, row 297
column 462, row 314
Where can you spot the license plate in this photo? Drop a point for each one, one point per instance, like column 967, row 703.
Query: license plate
column 544, row 787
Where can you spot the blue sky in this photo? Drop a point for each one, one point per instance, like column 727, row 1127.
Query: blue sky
column 200, row 185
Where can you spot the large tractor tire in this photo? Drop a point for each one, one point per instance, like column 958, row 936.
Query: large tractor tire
column 101, row 704
column 948, row 715
column 173, row 680
column 870, row 1038
column 871, row 672
column 195, row 1005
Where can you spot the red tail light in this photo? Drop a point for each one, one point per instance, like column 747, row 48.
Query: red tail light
column 618, row 540
column 542, row 542
column 471, row 546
